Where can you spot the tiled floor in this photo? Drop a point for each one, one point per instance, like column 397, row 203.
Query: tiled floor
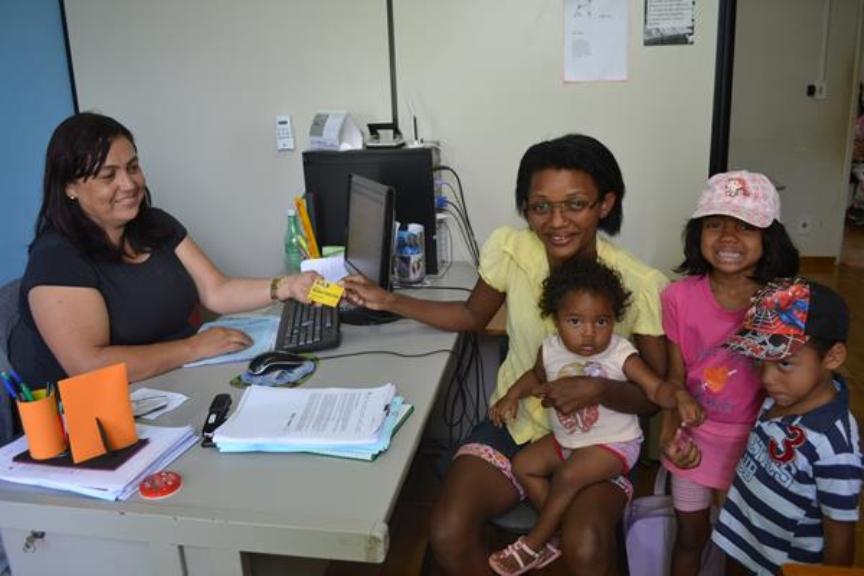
column 408, row 525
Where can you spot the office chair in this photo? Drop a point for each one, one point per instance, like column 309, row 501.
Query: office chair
column 8, row 318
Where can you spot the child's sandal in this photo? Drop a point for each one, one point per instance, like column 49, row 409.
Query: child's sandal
column 550, row 552
column 515, row 559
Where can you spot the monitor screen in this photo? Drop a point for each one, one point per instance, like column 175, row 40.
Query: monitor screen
column 369, row 233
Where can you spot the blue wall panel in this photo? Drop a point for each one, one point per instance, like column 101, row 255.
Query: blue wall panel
column 35, row 95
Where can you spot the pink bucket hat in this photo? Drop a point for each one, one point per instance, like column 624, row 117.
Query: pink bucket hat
column 748, row 196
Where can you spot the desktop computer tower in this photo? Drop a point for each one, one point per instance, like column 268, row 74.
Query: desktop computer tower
column 407, row 170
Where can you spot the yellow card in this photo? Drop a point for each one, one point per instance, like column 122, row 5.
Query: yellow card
column 326, row 293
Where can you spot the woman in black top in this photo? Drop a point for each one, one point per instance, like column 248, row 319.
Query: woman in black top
column 112, row 279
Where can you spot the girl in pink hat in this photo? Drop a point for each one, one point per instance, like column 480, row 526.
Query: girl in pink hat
column 733, row 245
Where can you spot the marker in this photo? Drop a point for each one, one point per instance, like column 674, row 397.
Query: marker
column 26, row 392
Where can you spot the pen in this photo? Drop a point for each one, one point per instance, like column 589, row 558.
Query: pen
column 25, row 391
column 15, row 376
column 8, row 385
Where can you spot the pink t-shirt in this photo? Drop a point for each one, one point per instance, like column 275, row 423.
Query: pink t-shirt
column 724, row 383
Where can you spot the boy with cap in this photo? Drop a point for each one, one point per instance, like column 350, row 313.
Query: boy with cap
column 796, row 490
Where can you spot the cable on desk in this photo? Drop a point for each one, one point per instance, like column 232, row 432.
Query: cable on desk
column 465, row 397
column 385, row 352
column 471, row 237
column 448, row 240
column 465, row 402
column 456, row 213
column 453, row 210
column 452, row 188
column 461, row 196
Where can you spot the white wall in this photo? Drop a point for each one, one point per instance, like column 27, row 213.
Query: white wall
column 777, row 129
column 199, row 82
column 486, row 79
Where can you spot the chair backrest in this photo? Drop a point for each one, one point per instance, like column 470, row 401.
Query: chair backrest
column 8, row 318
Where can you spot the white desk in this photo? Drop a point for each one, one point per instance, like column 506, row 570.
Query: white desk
column 286, row 504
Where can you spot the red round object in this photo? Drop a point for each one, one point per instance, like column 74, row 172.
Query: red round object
column 160, row 485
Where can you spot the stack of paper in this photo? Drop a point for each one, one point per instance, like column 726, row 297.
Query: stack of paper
column 164, row 445
column 345, row 422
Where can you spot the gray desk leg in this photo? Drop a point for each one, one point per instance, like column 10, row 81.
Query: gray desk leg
column 166, row 560
column 212, row 561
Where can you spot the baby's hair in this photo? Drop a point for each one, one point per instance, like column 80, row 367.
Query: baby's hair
column 583, row 275
column 575, row 152
column 779, row 254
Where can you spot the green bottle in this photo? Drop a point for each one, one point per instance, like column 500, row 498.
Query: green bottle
column 292, row 254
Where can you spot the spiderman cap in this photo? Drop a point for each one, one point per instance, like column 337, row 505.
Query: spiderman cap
column 785, row 314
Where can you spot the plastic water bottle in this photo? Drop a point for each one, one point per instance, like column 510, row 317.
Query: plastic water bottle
column 292, row 255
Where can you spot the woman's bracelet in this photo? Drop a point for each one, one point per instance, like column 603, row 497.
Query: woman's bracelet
column 274, row 287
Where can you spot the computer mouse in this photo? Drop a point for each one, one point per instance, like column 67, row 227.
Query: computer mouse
column 275, row 360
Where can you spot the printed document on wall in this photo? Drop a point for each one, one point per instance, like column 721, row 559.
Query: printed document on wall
column 595, row 40
column 669, row 22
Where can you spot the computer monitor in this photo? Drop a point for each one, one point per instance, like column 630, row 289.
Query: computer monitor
column 369, row 242
column 407, row 170
column 369, row 233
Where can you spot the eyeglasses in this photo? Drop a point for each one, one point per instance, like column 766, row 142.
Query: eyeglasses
column 567, row 207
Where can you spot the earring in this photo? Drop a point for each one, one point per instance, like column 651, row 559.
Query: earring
column 72, row 197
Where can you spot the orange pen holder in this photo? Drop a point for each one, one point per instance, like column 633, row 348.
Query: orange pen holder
column 42, row 426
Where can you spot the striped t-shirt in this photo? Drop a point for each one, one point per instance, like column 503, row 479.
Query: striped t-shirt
column 796, row 469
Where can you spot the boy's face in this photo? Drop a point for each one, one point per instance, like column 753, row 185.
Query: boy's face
column 585, row 322
column 798, row 379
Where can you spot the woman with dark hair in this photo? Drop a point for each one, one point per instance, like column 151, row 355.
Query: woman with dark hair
column 111, row 278
column 566, row 189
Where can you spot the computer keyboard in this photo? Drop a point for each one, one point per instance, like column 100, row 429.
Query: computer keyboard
column 306, row 327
